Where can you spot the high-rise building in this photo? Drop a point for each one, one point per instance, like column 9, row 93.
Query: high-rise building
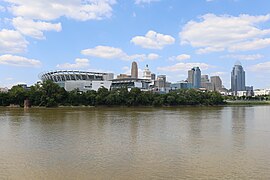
column 134, row 70
column 216, row 83
column 238, row 82
column 160, row 82
column 197, row 77
column 204, row 78
column 205, row 83
column 194, row 77
column 153, row 76
column 190, row 78
column 146, row 73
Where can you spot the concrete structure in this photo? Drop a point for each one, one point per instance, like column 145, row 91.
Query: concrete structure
column 190, row 78
column 134, row 70
column 130, row 83
column 261, row 92
column 160, row 82
column 122, row 76
column 204, row 78
column 238, row 82
column 205, row 83
column 216, row 83
column 81, row 80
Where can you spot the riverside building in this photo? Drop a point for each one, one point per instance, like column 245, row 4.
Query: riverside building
column 238, row 82
column 81, row 80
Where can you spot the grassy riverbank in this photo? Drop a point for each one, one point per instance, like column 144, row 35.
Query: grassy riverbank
column 243, row 102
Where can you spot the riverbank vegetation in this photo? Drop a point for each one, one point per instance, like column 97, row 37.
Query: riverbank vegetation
column 49, row 94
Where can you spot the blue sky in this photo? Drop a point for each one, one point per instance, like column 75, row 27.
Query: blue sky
column 171, row 36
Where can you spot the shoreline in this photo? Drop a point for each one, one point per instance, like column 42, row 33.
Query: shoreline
column 228, row 103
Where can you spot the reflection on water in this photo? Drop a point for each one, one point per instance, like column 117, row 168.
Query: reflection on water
column 135, row 143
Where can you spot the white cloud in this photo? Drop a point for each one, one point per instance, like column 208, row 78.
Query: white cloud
column 79, row 64
column 153, row 40
column 34, row 28
column 261, row 67
column 180, row 57
column 251, row 45
column 243, row 57
column 141, row 57
column 233, row 33
column 50, row 9
column 145, row 1
column 12, row 60
column 12, row 42
column 153, row 56
column 107, row 52
column 184, row 67
column 218, row 73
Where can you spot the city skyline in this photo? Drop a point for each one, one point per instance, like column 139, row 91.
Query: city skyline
column 107, row 35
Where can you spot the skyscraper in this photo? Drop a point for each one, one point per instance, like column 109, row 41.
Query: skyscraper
column 216, row 83
column 238, row 82
column 197, row 77
column 194, row 77
column 190, row 76
column 134, row 70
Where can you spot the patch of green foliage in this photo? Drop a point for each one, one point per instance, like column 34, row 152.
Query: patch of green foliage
column 49, row 94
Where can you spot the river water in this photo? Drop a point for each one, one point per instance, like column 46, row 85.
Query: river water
column 135, row 143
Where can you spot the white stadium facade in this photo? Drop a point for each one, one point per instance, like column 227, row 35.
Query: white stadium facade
column 81, row 80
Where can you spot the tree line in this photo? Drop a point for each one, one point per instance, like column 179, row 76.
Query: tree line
column 49, row 94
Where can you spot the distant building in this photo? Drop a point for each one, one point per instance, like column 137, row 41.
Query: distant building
column 146, row 73
column 204, row 78
column 134, row 70
column 153, row 76
column 181, row 85
column 205, row 83
column 3, row 90
column 130, row 83
column 160, row 82
column 190, row 78
column 122, row 76
column 261, row 92
column 81, row 80
column 238, row 82
column 216, row 83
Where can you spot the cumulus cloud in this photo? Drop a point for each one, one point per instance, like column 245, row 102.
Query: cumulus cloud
column 243, row 57
column 12, row 60
column 50, row 9
column 12, row 42
column 260, row 67
column 34, row 29
column 107, row 52
column 145, row 1
column 233, row 33
column 153, row 40
column 79, row 64
column 184, row 67
column 180, row 57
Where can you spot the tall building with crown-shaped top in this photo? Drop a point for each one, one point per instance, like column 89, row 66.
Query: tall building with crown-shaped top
column 146, row 73
column 238, row 81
